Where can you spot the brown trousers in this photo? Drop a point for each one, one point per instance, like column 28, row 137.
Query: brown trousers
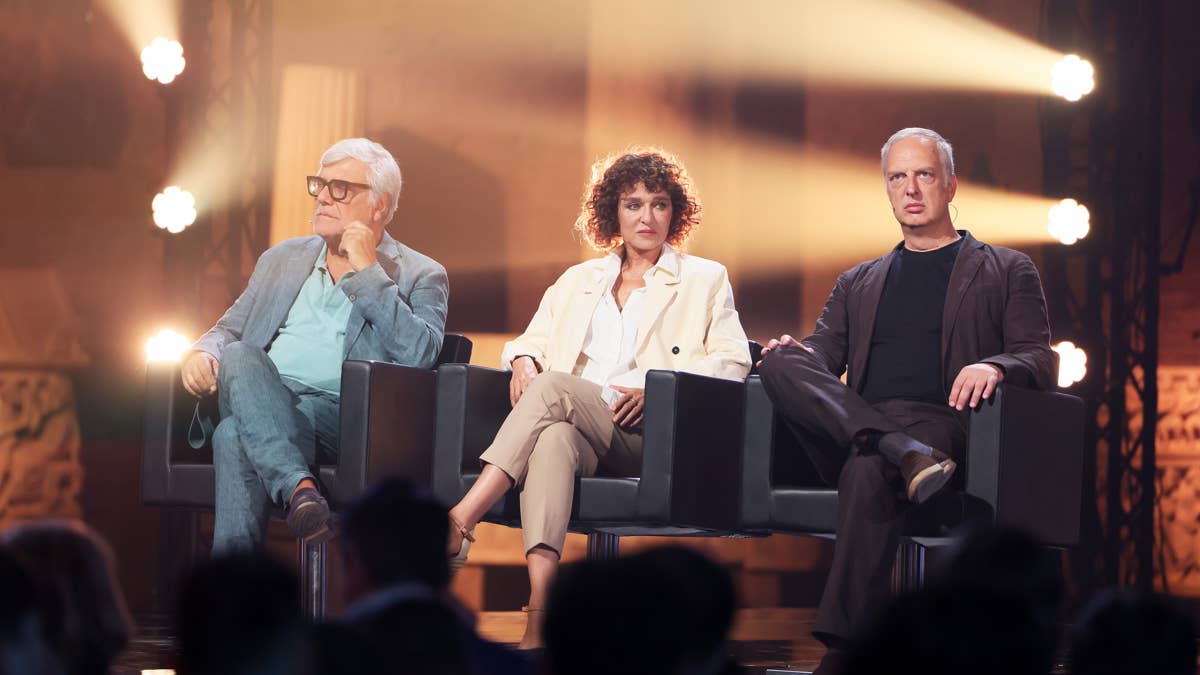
column 559, row 428
column 826, row 416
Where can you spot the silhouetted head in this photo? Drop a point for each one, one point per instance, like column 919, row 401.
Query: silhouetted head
column 663, row 611
column 241, row 614
column 23, row 648
column 395, row 533
column 1130, row 632
column 85, row 617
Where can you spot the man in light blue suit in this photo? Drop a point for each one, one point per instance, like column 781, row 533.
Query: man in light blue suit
column 274, row 359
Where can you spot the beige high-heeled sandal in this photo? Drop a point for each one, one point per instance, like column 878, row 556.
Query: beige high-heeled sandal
column 468, row 536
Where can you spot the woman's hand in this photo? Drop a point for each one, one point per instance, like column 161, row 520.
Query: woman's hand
column 627, row 410
column 524, row 369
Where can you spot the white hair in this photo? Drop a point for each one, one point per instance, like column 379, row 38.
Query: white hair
column 943, row 147
column 383, row 173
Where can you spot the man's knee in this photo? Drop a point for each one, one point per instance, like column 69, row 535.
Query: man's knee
column 235, row 356
column 225, row 439
column 785, row 365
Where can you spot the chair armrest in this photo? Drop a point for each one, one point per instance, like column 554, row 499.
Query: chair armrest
column 471, row 404
column 1025, row 459
column 691, row 450
column 168, row 414
column 758, row 446
column 386, row 427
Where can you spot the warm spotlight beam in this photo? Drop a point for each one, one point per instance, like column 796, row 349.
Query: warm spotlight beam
column 816, row 209
column 877, row 43
column 143, row 20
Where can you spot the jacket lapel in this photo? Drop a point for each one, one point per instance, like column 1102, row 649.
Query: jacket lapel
column 872, row 290
column 966, row 267
column 660, row 292
column 579, row 312
column 388, row 254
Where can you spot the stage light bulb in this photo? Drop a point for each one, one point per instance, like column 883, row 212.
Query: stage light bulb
column 1072, row 363
column 1070, row 221
column 1072, row 78
column 162, row 60
column 166, row 346
column 174, row 209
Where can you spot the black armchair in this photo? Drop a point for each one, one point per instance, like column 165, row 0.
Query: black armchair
column 1023, row 468
column 688, row 483
column 386, row 430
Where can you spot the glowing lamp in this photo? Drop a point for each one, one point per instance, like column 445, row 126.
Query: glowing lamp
column 174, row 209
column 1072, row 78
column 162, row 60
column 166, row 346
column 1069, row 221
column 1072, row 363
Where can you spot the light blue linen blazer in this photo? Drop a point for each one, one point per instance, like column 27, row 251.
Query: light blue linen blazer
column 399, row 312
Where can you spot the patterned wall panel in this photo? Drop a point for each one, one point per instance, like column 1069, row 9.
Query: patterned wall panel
column 1178, row 515
column 40, row 470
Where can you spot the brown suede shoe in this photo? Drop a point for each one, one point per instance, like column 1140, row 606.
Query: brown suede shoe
column 925, row 475
column 307, row 513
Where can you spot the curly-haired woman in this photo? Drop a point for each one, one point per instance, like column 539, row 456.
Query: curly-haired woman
column 579, row 369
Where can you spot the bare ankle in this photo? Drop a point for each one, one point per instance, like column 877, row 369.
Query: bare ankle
column 304, row 483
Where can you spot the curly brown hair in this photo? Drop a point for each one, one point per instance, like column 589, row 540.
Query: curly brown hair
column 617, row 174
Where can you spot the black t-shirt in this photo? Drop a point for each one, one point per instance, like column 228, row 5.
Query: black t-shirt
column 905, row 361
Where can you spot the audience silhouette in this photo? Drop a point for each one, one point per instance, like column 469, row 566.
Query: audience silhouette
column 1129, row 632
column 84, row 618
column 241, row 613
column 664, row 611
column 993, row 606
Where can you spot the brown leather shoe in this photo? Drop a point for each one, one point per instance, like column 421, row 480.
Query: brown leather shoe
column 307, row 513
column 924, row 475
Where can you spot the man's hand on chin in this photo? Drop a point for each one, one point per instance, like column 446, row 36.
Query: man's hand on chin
column 358, row 245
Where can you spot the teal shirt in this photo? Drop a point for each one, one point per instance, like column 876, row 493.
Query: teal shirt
column 310, row 344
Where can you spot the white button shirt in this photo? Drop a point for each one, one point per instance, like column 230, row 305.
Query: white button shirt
column 611, row 342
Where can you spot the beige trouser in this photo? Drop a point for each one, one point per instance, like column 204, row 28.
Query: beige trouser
column 560, row 427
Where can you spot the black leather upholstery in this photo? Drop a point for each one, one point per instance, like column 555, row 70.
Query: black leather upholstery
column 690, row 455
column 1023, row 468
column 386, row 430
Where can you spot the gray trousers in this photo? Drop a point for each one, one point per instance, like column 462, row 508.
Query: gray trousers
column 272, row 430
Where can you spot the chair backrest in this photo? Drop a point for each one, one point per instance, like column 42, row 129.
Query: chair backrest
column 455, row 349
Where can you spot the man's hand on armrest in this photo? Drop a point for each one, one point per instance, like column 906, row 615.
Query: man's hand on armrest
column 783, row 341
column 975, row 383
column 200, row 373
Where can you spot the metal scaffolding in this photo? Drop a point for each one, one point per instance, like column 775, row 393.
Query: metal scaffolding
column 1107, row 150
column 222, row 117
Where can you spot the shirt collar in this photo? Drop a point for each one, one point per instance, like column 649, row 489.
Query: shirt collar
column 320, row 263
column 668, row 261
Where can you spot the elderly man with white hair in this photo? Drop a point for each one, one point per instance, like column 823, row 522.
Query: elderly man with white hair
column 274, row 360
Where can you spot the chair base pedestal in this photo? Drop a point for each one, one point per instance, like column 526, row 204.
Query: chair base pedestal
column 603, row 546
column 311, row 553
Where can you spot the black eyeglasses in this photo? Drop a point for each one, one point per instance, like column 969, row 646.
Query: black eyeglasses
column 338, row 189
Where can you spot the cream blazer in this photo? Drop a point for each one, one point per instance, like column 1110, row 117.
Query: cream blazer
column 687, row 322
